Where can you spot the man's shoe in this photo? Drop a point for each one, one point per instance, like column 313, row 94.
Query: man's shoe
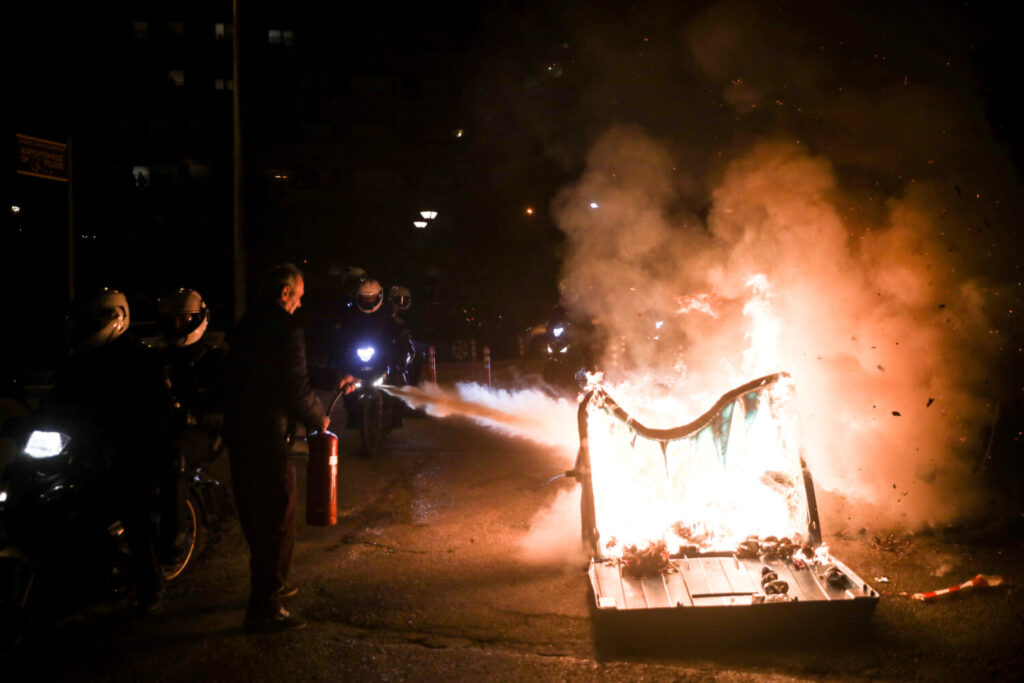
column 287, row 591
column 278, row 620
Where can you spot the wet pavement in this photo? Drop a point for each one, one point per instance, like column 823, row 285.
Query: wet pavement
column 438, row 569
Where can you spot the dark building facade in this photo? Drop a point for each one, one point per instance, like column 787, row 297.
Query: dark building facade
column 352, row 123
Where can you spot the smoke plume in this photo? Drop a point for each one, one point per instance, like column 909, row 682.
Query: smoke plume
column 860, row 206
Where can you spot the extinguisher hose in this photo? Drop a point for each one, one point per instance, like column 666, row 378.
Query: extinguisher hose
column 334, row 402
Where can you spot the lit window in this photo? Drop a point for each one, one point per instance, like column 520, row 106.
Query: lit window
column 230, row 83
column 218, row 84
column 140, row 29
column 288, row 37
column 178, row 76
column 198, row 170
column 218, row 31
column 274, row 36
column 140, row 175
column 176, row 27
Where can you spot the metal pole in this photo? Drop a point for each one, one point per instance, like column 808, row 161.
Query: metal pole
column 71, row 226
column 238, row 248
column 487, row 364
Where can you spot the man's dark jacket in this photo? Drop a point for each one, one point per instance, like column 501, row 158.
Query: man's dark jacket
column 268, row 387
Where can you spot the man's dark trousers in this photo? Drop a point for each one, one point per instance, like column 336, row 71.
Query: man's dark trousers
column 263, row 478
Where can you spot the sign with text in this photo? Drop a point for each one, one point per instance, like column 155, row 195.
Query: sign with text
column 42, row 158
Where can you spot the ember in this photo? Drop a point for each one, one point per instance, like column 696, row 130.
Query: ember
column 649, row 561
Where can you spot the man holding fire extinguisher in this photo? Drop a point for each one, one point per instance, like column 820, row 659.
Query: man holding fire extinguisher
column 268, row 391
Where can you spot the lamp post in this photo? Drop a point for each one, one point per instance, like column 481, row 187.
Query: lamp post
column 238, row 246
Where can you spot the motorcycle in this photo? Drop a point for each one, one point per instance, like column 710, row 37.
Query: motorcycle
column 369, row 409
column 570, row 354
column 62, row 546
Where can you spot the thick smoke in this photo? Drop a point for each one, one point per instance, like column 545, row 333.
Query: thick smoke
column 554, row 534
column 529, row 414
column 871, row 206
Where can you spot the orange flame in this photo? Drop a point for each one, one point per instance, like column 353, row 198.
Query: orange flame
column 738, row 476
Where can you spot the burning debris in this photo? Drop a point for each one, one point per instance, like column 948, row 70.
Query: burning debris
column 705, row 485
column 775, row 589
column 649, row 561
column 662, row 517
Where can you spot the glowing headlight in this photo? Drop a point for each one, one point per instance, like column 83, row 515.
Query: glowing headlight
column 365, row 353
column 46, row 444
column 558, row 331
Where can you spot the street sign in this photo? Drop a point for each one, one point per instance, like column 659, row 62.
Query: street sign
column 42, row 158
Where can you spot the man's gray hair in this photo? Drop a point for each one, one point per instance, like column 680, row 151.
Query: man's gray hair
column 277, row 278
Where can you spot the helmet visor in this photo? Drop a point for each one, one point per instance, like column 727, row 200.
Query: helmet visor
column 368, row 302
column 180, row 325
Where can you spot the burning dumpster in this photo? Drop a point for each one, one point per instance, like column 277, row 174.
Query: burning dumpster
column 713, row 518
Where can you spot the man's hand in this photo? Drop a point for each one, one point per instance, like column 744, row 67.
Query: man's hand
column 325, row 424
column 348, row 384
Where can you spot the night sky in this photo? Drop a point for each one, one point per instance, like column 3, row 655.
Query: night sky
column 889, row 93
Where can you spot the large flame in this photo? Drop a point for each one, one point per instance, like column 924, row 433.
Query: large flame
column 740, row 475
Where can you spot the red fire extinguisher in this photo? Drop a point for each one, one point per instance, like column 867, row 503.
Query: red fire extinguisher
column 322, row 479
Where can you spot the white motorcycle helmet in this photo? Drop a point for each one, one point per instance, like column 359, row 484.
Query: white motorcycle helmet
column 400, row 297
column 371, row 296
column 182, row 317
column 98, row 318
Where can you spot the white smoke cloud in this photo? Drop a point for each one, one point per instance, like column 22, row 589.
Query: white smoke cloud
column 875, row 320
column 843, row 154
column 525, row 413
column 554, row 533
column 858, row 174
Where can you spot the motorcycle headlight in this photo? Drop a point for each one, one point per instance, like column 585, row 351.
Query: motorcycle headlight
column 46, row 444
column 365, row 353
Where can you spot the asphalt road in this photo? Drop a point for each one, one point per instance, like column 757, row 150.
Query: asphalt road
column 440, row 569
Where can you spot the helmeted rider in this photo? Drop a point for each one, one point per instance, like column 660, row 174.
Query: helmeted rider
column 369, row 296
column 117, row 387
column 367, row 320
column 182, row 317
column 400, row 302
column 195, row 371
